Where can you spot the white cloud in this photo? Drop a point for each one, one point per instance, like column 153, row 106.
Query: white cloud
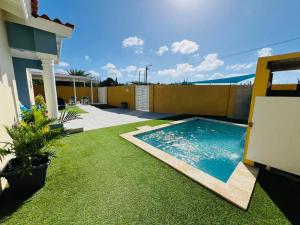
column 168, row 72
column 181, row 69
column 199, row 76
column 210, row 62
column 141, row 69
column 222, row 75
column 63, row 64
column 109, row 66
column 185, row 47
column 112, row 70
column 62, row 71
column 130, row 69
column 135, row 73
column 132, row 41
column 87, row 58
column 264, row 52
column 184, row 68
column 237, row 67
column 93, row 73
column 136, row 43
column 114, row 73
column 162, row 50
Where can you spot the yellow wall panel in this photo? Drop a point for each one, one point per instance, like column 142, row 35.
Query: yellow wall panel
column 192, row 99
column 116, row 95
column 280, row 87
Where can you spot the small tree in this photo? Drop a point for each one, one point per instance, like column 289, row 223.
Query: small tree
column 76, row 72
column 109, row 82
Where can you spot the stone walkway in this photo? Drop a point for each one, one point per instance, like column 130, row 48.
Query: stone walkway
column 98, row 118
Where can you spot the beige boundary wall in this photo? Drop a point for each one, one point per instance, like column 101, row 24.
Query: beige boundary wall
column 232, row 101
column 116, row 95
column 194, row 99
column 211, row 100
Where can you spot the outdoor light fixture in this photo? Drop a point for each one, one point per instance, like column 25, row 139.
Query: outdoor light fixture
column 146, row 73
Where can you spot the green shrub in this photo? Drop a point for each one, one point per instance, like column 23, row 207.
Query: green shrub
column 39, row 100
column 31, row 139
column 40, row 103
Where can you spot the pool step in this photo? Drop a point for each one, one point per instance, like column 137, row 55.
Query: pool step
column 146, row 127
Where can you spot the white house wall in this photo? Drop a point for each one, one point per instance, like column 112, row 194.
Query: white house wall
column 7, row 76
column 7, row 118
column 9, row 109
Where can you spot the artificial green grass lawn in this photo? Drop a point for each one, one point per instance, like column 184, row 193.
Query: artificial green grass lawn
column 99, row 178
column 75, row 108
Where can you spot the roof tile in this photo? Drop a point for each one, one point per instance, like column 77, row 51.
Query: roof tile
column 34, row 12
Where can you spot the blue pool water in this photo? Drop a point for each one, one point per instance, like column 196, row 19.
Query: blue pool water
column 211, row 146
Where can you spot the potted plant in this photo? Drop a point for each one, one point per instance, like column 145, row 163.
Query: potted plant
column 124, row 105
column 30, row 142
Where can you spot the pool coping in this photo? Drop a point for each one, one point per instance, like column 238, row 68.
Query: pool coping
column 237, row 190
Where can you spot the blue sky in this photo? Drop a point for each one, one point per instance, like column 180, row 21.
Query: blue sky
column 195, row 37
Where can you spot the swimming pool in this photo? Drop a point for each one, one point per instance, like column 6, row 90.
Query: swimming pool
column 212, row 146
column 207, row 151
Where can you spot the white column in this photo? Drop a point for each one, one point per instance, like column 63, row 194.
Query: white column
column 50, row 87
column 92, row 93
column 74, row 89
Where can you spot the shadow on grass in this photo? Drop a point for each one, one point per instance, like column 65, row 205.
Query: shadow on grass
column 10, row 203
column 284, row 192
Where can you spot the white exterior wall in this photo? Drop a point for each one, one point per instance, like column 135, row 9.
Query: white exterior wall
column 274, row 139
column 7, row 76
column 9, row 100
column 7, row 118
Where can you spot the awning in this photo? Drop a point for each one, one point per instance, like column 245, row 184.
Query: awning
column 38, row 75
column 227, row 80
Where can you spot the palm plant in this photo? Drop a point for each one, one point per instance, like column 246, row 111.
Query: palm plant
column 30, row 140
column 76, row 72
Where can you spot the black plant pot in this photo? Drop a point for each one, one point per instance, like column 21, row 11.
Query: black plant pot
column 124, row 105
column 22, row 183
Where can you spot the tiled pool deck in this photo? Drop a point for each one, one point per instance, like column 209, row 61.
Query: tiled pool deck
column 96, row 118
column 237, row 190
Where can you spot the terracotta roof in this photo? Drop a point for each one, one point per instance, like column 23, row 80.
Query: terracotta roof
column 34, row 12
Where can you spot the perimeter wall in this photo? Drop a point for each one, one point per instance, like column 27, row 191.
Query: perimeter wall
column 232, row 101
column 211, row 100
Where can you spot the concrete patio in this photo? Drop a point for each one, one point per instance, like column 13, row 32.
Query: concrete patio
column 99, row 118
